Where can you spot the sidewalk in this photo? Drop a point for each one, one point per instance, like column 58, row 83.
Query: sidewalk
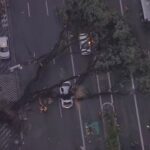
column 8, row 87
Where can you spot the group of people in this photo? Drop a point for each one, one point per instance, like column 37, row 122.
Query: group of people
column 44, row 104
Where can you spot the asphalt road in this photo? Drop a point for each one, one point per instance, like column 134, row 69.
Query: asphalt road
column 35, row 31
column 125, row 105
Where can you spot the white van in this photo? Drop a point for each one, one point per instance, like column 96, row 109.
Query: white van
column 4, row 50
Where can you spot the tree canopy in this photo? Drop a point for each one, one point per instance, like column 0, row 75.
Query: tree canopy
column 116, row 47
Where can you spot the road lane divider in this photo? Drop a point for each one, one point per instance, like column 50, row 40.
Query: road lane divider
column 99, row 91
column 137, row 112
column 110, row 88
column 60, row 109
column 72, row 60
column 47, row 10
column 81, row 125
column 78, row 103
column 54, row 61
column 121, row 7
column 134, row 95
column 28, row 8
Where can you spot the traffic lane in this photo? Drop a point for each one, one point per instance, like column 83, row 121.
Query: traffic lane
column 103, row 81
column 65, row 135
column 37, row 34
column 104, row 87
column 90, row 113
column 64, row 65
column 57, row 70
column 46, row 22
column 49, row 76
column 124, row 104
column 81, row 62
column 90, row 86
column 49, row 130
column 127, row 120
column 26, row 37
column 144, row 111
column 36, row 136
column 135, row 21
column 17, row 21
column 19, row 24
column 90, row 110
column 113, row 5
column 46, row 26
column 71, row 128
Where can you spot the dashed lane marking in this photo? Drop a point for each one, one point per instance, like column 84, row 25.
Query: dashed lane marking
column 28, row 7
column 47, row 10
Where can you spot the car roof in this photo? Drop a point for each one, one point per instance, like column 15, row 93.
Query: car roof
column 65, row 87
column 3, row 42
column 4, row 54
column 83, row 36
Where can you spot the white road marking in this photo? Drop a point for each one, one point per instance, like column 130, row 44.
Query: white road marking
column 134, row 95
column 109, row 83
column 34, row 54
column 28, row 6
column 121, row 7
column 60, row 109
column 137, row 113
column 78, row 104
column 112, row 101
column 99, row 90
column 100, row 102
column 47, row 10
column 81, row 126
column 72, row 60
column 54, row 62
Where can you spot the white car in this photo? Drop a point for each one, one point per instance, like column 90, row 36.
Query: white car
column 85, row 44
column 4, row 50
column 66, row 95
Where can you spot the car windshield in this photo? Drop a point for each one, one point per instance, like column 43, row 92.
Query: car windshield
column 66, row 96
column 85, row 45
column 66, row 84
column 67, row 103
column 3, row 50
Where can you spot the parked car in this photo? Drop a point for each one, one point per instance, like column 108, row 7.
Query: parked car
column 66, row 95
column 85, row 44
column 4, row 50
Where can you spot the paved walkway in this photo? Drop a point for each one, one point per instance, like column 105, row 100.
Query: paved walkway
column 8, row 88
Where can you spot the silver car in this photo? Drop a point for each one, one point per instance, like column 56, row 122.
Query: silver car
column 85, row 44
column 4, row 50
column 66, row 95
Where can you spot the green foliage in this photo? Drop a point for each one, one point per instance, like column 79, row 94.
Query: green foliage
column 116, row 48
column 144, row 83
column 112, row 132
column 121, row 31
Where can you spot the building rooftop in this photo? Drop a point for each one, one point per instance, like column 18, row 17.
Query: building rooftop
column 146, row 9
